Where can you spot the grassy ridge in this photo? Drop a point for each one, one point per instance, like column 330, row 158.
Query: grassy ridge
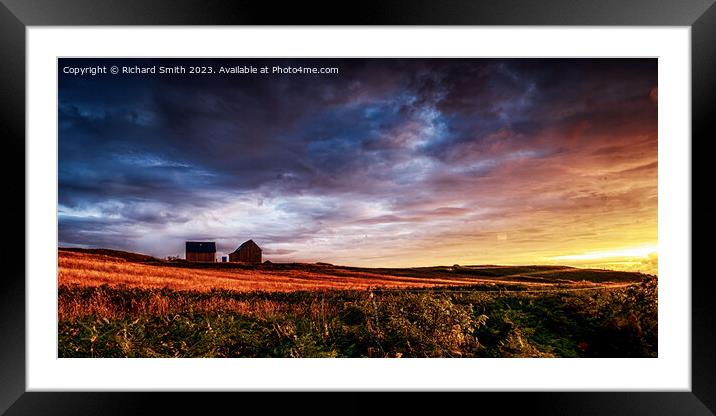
column 98, row 266
column 565, row 273
column 104, row 321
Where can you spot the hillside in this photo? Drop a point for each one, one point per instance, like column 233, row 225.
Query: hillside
column 118, row 304
column 94, row 267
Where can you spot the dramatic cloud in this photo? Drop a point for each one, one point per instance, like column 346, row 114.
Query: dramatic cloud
column 388, row 162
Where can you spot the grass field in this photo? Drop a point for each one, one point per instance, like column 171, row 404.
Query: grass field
column 97, row 267
column 116, row 304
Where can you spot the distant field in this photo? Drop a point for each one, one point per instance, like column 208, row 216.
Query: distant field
column 116, row 268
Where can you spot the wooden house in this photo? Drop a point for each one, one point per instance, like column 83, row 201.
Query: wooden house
column 201, row 251
column 249, row 252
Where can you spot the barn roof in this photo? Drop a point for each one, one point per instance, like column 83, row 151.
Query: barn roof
column 201, row 247
column 249, row 243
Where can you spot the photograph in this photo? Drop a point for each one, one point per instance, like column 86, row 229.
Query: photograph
column 357, row 207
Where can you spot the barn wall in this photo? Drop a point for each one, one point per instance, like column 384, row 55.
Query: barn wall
column 246, row 254
column 210, row 257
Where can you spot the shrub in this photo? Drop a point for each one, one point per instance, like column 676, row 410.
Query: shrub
column 422, row 325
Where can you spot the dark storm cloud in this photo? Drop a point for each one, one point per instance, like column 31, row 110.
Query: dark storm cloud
column 381, row 144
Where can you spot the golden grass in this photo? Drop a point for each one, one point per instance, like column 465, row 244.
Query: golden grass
column 94, row 270
column 161, row 304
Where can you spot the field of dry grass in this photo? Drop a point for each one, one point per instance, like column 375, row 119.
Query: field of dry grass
column 95, row 269
column 100, row 303
column 115, row 304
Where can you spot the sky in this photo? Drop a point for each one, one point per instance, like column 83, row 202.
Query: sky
column 388, row 162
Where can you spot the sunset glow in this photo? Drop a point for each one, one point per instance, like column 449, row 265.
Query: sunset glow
column 642, row 258
column 633, row 252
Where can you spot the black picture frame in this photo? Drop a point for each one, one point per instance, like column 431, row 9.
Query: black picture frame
column 16, row 15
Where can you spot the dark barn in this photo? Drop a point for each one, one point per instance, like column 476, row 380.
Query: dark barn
column 249, row 252
column 201, row 251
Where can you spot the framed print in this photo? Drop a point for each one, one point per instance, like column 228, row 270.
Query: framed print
column 225, row 198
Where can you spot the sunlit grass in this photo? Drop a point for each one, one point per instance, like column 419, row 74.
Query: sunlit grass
column 90, row 269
